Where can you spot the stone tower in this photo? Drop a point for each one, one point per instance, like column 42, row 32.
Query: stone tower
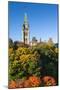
column 25, row 31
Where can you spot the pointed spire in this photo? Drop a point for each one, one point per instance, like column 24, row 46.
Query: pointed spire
column 25, row 18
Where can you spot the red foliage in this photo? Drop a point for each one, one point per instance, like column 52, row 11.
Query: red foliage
column 49, row 81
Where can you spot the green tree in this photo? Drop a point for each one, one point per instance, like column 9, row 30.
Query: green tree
column 10, row 43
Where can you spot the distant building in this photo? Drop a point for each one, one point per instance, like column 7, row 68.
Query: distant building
column 25, row 30
column 34, row 41
column 50, row 41
column 40, row 40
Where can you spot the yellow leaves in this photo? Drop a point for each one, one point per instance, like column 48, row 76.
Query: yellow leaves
column 10, row 50
column 11, row 53
column 26, row 57
column 23, row 57
column 56, row 50
column 11, row 57
column 24, row 54
column 23, row 50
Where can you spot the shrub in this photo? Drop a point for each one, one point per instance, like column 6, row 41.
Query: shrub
column 49, row 81
column 34, row 81
column 27, row 83
column 12, row 84
column 19, row 83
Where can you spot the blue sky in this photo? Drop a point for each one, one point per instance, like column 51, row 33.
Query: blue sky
column 42, row 20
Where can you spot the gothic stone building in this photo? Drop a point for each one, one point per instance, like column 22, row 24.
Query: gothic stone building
column 26, row 34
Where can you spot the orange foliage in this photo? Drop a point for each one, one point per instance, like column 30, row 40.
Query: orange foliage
column 20, row 83
column 34, row 81
column 49, row 81
column 12, row 85
column 27, row 83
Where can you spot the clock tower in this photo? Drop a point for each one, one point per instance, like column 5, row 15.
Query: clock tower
column 25, row 30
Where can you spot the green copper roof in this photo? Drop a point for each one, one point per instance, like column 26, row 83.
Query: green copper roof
column 25, row 18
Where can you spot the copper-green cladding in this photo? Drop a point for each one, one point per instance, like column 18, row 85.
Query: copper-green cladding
column 25, row 18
